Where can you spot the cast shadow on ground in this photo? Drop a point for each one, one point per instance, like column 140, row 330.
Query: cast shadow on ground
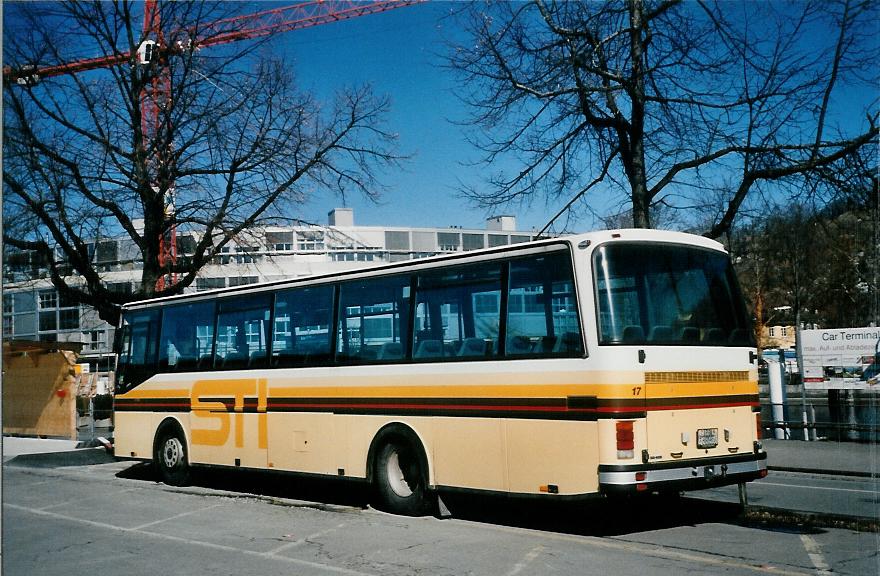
column 593, row 517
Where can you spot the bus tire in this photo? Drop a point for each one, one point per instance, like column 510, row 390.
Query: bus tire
column 170, row 457
column 400, row 476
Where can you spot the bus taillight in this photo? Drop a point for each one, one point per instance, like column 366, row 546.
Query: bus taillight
column 625, row 440
column 758, row 426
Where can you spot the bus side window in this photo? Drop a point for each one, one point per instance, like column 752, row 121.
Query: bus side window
column 242, row 332
column 542, row 314
column 458, row 313
column 301, row 332
column 187, row 337
column 373, row 320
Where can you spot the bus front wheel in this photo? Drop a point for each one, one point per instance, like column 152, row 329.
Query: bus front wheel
column 399, row 477
column 170, row 458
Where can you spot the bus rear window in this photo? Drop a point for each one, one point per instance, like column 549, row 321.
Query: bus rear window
column 667, row 294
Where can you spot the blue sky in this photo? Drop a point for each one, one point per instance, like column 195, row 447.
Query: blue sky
column 400, row 53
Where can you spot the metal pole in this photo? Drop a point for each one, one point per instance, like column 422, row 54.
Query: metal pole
column 774, row 371
column 813, row 433
column 800, row 365
column 853, row 432
column 91, row 416
column 743, row 494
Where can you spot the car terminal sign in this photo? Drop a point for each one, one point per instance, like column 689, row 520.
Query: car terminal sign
column 841, row 358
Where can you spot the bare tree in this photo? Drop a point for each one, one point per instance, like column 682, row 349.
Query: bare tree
column 234, row 144
column 695, row 106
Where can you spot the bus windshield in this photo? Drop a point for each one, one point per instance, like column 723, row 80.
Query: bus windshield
column 668, row 294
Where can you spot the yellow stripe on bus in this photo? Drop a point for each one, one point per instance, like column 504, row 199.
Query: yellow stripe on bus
column 449, row 386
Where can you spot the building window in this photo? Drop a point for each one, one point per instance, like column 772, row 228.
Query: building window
column 186, row 245
column 94, row 340
column 8, row 308
column 448, row 241
column 119, row 287
column 25, row 325
column 107, row 251
column 497, row 240
column 210, row 283
column 772, row 332
column 7, row 326
column 24, row 302
column 397, row 240
column 785, row 331
column 310, row 240
column 279, row 241
column 66, row 302
column 48, row 299
column 48, row 321
column 246, row 254
column 242, row 280
column 68, row 319
column 473, row 241
column 223, row 258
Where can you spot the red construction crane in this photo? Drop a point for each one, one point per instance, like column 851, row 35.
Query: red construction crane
column 155, row 49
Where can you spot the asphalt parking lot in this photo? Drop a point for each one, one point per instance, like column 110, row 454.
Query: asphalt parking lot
column 115, row 518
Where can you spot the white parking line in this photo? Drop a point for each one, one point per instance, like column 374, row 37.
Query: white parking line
column 817, row 487
column 81, row 500
column 301, row 541
column 653, row 550
column 189, row 541
column 814, row 551
column 527, row 559
column 176, row 516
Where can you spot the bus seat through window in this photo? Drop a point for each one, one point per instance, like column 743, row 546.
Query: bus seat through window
column 518, row 345
column 472, row 347
column 714, row 335
column 390, row 351
column 569, row 342
column 689, row 334
column 660, row 333
column 633, row 334
column 544, row 345
column 429, row 349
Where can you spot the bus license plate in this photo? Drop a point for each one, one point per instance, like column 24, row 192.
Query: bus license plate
column 707, row 437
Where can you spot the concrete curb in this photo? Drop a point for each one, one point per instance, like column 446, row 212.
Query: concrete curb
column 821, row 471
column 79, row 457
column 753, row 513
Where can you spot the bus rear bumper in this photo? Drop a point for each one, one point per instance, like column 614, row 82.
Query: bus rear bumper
column 694, row 474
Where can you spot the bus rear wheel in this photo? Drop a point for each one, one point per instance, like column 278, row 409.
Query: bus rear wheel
column 399, row 478
column 170, row 458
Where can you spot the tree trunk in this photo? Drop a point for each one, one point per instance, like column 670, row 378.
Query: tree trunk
column 641, row 200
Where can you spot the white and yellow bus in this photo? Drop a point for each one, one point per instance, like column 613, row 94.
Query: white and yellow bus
column 604, row 363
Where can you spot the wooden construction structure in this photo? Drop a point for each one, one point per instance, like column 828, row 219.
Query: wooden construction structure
column 39, row 388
